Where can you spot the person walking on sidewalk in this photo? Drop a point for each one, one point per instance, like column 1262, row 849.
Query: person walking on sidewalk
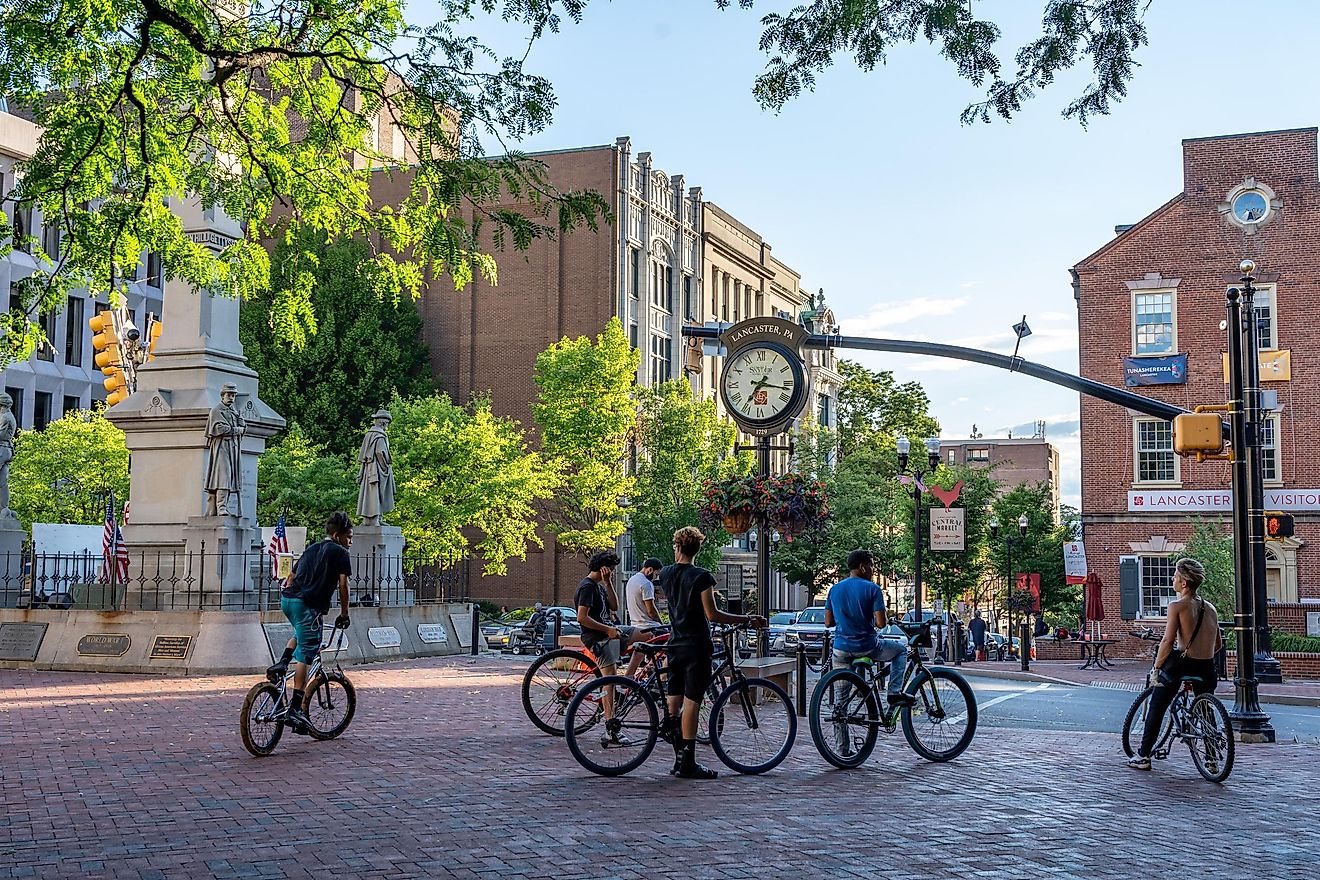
column 977, row 629
column 1192, row 655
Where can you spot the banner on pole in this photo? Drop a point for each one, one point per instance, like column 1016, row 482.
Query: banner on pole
column 1031, row 583
column 1074, row 563
column 947, row 528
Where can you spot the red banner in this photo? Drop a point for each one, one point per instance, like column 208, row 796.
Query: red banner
column 1031, row 583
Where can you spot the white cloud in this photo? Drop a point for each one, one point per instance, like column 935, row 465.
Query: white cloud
column 1057, row 316
column 888, row 314
column 966, row 285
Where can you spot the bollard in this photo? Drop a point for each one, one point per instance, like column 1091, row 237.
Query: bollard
column 559, row 620
column 957, row 643
column 1025, row 648
column 476, row 629
column 802, row 681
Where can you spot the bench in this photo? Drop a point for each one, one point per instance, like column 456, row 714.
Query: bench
column 780, row 670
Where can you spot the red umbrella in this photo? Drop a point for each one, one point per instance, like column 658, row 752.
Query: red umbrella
column 1095, row 605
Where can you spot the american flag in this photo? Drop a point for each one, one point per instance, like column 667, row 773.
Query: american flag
column 279, row 543
column 113, row 550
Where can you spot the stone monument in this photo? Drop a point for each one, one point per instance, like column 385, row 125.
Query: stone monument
column 12, row 534
column 194, row 483
column 377, row 548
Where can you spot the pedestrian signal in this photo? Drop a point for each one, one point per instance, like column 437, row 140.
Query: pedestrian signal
column 1278, row 525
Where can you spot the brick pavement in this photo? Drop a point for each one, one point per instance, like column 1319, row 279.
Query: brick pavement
column 441, row 776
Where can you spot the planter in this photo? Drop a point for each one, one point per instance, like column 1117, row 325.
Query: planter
column 737, row 522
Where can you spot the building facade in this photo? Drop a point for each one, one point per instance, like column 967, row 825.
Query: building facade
column 1017, row 461
column 60, row 377
column 1150, row 305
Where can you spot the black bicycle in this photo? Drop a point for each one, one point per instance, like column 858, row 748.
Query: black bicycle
column 329, row 703
column 1199, row 720
column 751, row 726
column 850, row 707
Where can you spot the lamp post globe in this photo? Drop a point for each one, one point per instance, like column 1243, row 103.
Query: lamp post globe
column 1022, row 525
column 1247, row 267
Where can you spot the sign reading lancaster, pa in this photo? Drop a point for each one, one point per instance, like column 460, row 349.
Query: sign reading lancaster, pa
column 1179, row 500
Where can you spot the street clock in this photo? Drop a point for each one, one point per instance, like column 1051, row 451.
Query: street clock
column 764, row 382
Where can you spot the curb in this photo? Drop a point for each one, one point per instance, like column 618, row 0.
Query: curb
column 1017, row 675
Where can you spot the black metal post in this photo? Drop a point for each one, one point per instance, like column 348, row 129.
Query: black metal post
column 802, row 679
column 559, row 623
column 956, row 636
column 1026, row 645
column 1252, row 724
column 917, row 540
column 1008, row 597
column 476, row 629
column 763, row 552
column 1268, row 669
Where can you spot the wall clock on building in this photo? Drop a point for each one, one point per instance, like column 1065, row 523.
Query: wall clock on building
column 1250, row 205
column 763, row 384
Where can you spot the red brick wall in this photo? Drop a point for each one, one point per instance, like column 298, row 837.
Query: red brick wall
column 1186, row 238
column 1294, row 665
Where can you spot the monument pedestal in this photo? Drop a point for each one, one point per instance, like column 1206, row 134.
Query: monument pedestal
column 12, row 538
column 378, row 574
column 229, row 567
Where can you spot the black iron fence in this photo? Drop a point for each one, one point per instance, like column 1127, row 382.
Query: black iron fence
column 183, row 581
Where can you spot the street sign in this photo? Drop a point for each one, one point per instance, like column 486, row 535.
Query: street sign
column 1074, row 563
column 947, row 528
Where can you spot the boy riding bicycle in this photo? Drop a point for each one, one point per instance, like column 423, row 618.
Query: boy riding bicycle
column 855, row 607
column 322, row 567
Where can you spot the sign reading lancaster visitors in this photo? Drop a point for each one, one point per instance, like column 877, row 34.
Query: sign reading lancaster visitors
column 1169, row 370
column 947, row 528
column 1180, row 500
column 1074, row 563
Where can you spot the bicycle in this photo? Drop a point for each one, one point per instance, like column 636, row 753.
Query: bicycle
column 752, row 724
column 329, row 702
column 849, row 708
column 1199, row 720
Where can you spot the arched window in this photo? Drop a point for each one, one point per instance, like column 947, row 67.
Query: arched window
column 662, row 277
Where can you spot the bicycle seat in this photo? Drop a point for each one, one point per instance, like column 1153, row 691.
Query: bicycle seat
column 861, row 661
column 649, row 649
column 1190, row 679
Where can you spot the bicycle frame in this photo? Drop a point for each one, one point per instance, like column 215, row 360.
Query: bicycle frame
column 915, row 667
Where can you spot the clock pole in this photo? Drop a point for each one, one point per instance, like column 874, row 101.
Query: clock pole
column 763, row 550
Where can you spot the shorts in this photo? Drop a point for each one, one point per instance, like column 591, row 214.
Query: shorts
column 689, row 673
column 306, row 628
column 608, row 651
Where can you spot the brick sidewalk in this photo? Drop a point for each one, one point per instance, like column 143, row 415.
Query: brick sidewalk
column 441, row 776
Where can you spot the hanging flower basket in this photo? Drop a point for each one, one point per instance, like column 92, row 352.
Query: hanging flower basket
column 792, row 504
column 738, row 522
column 796, row 505
column 730, row 503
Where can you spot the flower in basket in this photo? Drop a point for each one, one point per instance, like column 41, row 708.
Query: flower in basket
column 795, row 505
column 730, row 503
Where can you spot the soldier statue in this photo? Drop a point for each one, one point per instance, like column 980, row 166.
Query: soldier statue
column 224, row 439
column 375, row 474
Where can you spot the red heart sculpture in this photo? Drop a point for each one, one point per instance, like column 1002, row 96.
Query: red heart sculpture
column 948, row 496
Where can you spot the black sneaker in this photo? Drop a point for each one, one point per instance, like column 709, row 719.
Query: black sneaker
column 276, row 672
column 297, row 721
column 902, row 700
column 697, row 771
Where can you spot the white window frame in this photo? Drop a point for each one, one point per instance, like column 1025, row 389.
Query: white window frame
column 1136, row 455
column 1142, row 561
column 978, row 454
column 1268, row 294
column 1172, row 293
column 1273, row 452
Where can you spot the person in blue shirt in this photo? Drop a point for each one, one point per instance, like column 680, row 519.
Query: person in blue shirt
column 855, row 607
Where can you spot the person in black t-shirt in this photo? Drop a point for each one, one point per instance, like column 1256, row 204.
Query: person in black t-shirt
column 321, row 569
column 597, row 604
column 689, row 590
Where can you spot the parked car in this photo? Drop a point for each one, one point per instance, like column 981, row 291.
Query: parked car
column 499, row 635
column 808, row 629
column 779, row 623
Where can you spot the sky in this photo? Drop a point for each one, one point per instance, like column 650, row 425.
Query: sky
column 915, row 225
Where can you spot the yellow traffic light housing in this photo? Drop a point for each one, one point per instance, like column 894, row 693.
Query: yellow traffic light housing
column 1198, row 433
column 153, row 335
column 103, row 329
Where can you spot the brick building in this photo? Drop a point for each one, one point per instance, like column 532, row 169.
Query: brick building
column 1149, row 306
column 1017, row 461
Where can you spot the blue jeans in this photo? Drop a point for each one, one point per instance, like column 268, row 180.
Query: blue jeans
column 891, row 651
column 306, row 628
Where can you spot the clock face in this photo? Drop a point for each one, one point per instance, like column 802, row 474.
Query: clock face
column 1250, row 207
column 761, row 383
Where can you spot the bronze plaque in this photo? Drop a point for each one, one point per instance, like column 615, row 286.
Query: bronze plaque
column 171, row 647
column 104, row 645
column 21, row 641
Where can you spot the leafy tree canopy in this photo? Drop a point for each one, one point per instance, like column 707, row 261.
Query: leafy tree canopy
column 1041, row 551
column 366, row 349
column 466, row 481
column 298, row 477
column 1211, row 544
column 805, row 40
column 257, row 108
column 874, row 408
column 64, row 472
column 586, row 414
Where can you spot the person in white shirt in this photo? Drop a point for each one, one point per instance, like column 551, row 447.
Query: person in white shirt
column 639, row 593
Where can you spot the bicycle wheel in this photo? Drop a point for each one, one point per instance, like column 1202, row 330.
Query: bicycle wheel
column 1211, row 738
column 330, row 703
column 752, row 725
column 261, row 723
column 617, row 745
column 1134, row 725
column 844, row 718
column 943, row 721
column 549, row 686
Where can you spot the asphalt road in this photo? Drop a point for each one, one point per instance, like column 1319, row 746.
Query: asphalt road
column 1025, row 704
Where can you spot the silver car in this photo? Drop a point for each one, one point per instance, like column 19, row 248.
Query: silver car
column 808, row 630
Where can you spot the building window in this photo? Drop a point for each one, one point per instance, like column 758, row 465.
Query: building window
column 1155, row 460
column 978, row 453
column 41, row 410
column 50, row 240
column 688, row 311
column 1269, row 450
column 737, row 301
column 661, row 348
column 153, row 270
column 23, row 227
column 16, row 394
column 73, row 332
column 635, row 262
column 632, row 335
column 760, row 304
column 825, row 416
column 724, row 300
column 714, row 293
column 1156, row 585
column 71, row 404
column 1265, row 306
column 1154, row 318
column 953, row 456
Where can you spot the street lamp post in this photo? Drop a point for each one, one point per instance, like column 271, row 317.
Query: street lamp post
column 1023, row 522
column 904, row 447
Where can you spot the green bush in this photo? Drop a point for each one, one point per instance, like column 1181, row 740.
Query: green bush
column 1282, row 641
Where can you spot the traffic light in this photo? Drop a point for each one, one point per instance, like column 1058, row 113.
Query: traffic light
column 153, row 334
column 1198, row 432
column 109, row 358
column 1278, row 525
